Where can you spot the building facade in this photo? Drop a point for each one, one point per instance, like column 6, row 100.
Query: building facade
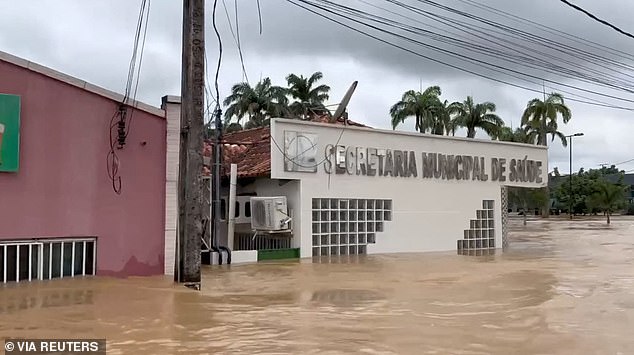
column 59, row 215
column 355, row 190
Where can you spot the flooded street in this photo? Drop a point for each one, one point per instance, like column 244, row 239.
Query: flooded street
column 562, row 288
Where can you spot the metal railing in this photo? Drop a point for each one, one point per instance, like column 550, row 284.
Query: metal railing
column 47, row 259
column 245, row 241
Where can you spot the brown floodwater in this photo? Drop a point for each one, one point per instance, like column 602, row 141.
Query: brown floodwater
column 562, row 288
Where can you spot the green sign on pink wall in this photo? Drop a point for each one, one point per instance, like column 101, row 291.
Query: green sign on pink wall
column 9, row 133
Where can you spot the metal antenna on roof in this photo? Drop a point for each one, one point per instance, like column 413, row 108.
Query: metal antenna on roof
column 344, row 103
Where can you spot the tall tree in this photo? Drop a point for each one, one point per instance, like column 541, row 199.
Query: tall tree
column 423, row 106
column 443, row 122
column 473, row 116
column 540, row 117
column 258, row 103
column 535, row 130
column 309, row 100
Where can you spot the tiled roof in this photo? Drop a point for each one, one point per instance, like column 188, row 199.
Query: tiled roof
column 250, row 149
column 326, row 119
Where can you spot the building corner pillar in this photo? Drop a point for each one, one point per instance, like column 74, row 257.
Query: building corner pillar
column 172, row 107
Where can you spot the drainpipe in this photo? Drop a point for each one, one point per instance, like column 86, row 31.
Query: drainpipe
column 232, row 206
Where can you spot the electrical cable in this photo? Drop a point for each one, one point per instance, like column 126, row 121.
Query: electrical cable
column 219, row 54
column 573, row 75
column 550, row 30
column 535, row 39
column 138, row 74
column 236, row 36
column 259, row 15
column 478, row 48
column 506, row 29
column 244, row 71
column 217, row 117
column 623, row 162
column 529, row 53
column 451, row 53
column 551, row 67
column 578, row 8
column 122, row 130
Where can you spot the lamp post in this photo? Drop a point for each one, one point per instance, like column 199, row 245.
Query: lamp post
column 570, row 175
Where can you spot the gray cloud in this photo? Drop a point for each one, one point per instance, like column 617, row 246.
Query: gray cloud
column 93, row 41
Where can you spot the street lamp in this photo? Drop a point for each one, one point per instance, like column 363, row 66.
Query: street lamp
column 570, row 175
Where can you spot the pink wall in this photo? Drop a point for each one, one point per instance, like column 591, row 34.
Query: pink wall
column 62, row 188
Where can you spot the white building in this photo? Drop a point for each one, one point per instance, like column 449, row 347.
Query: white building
column 357, row 190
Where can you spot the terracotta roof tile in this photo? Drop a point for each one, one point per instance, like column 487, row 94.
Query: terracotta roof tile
column 250, row 149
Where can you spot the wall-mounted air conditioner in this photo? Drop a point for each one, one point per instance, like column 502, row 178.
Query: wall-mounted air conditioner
column 269, row 213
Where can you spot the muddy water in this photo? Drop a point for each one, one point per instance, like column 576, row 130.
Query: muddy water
column 562, row 288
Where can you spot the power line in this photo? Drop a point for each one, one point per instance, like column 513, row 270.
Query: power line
column 236, row 35
column 530, row 52
column 481, row 63
column 468, row 45
column 624, row 162
column 530, row 60
column 119, row 131
column 519, row 34
column 244, row 71
column 550, row 30
column 259, row 15
column 138, row 74
column 597, row 19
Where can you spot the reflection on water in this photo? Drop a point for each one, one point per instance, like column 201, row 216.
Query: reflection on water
column 561, row 288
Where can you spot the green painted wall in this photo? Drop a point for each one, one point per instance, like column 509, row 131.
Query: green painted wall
column 277, row 254
column 9, row 133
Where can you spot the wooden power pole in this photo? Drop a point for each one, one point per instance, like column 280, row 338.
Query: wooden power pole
column 190, row 192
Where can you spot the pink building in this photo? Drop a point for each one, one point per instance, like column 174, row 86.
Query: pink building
column 59, row 214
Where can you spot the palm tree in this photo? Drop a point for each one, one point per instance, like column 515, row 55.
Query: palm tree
column 258, row 103
column 309, row 100
column 452, row 127
column 608, row 197
column 506, row 134
column 541, row 116
column 535, row 130
column 423, row 106
column 443, row 123
column 473, row 116
column 540, row 119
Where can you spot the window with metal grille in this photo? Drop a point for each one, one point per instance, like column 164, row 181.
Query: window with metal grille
column 47, row 259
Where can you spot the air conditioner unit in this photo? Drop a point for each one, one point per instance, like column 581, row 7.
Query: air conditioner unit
column 269, row 213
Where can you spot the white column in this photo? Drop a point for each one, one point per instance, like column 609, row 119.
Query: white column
column 172, row 107
column 232, row 205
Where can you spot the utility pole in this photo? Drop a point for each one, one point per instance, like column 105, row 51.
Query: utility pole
column 190, row 193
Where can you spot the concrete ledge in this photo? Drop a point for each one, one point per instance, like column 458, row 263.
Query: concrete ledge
column 244, row 256
column 70, row 80
column 237, row 257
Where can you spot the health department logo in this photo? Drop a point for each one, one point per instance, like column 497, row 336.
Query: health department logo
column 300, row 152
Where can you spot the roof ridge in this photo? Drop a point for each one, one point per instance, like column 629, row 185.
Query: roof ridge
column 247, row 130
column 76, row 82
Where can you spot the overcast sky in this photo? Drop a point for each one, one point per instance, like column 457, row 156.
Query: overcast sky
column 93, row 40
